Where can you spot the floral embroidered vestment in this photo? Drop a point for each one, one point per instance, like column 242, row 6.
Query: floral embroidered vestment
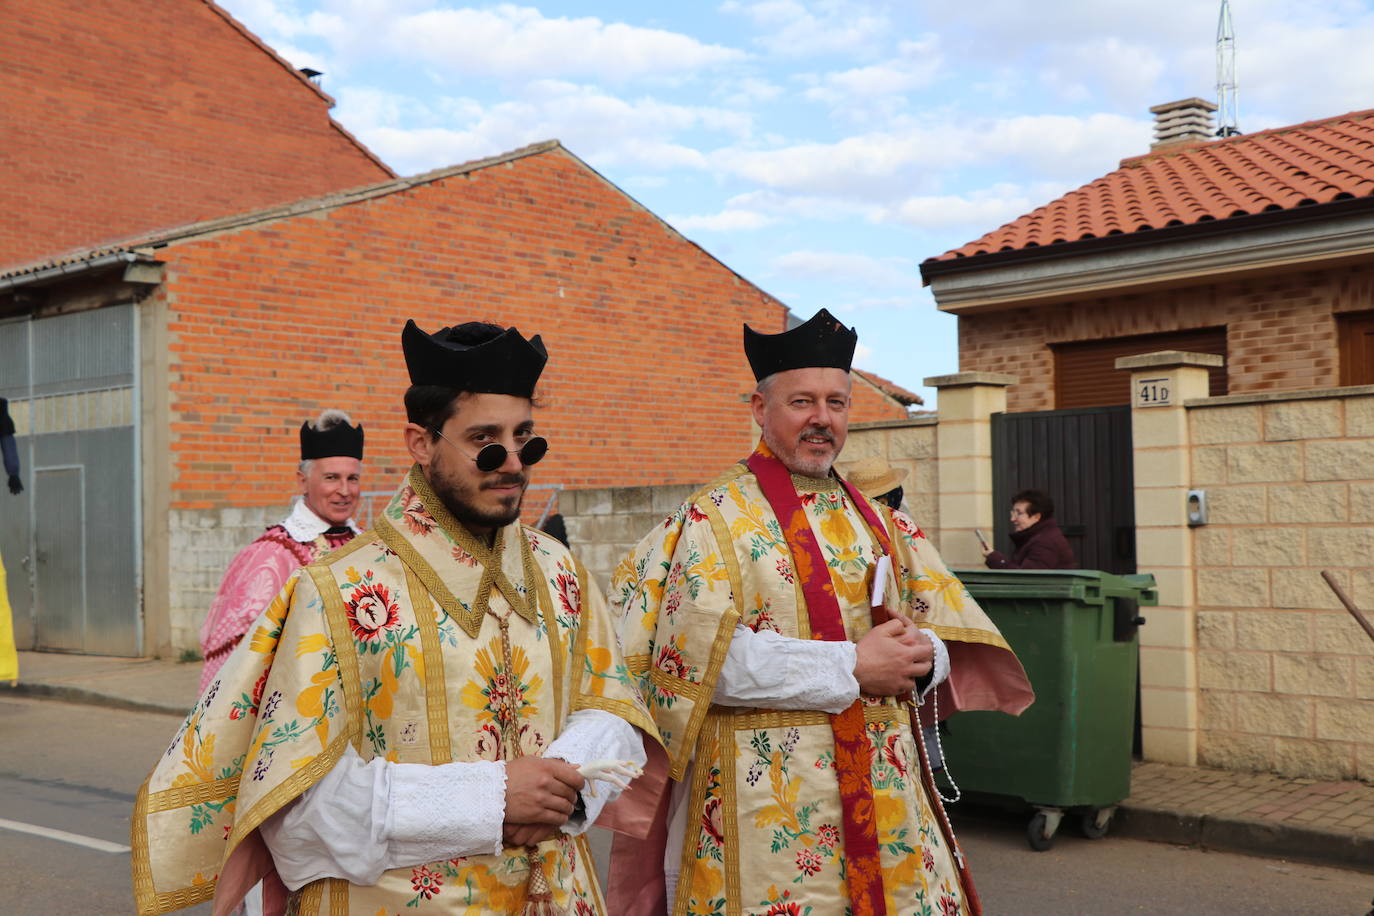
column 392, row 644
column 764, row 814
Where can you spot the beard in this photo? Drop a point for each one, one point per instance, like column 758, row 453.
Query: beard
column 792, row 456
column 460, row 497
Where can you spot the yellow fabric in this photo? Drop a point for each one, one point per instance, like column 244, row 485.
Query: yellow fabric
column 9, row 658
column 764, row 806
column 370, row 646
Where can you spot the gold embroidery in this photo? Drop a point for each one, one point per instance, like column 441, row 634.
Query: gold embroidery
column 436, row 696
column 729, row 815
column 338, row 897
column 345, row 652
column 468, row 618
column 198, row 794
column 746, row 719
column 815, row 484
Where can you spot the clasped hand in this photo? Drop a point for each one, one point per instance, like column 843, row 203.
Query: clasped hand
column 891, row 657
column 540, row 795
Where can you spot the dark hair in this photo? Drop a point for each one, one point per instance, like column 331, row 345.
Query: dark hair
column 892, row 498
column 1037, row 502
column 431, row 406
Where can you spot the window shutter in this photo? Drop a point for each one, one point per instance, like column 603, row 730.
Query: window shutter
column 1085, row 373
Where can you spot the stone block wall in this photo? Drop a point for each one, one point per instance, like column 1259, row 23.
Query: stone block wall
column 1285, row 676
column 907, row 444
column 203, row 542
column 605, row 524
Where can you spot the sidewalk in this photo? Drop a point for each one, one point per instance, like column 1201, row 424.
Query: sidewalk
column 1327, row 823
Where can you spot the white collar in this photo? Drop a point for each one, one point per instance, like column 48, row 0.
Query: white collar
column 304, row 525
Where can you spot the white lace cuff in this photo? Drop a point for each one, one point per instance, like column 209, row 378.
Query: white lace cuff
column 445, row 811
column 593, row 734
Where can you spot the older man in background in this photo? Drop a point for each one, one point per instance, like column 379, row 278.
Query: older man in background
column 321, row 519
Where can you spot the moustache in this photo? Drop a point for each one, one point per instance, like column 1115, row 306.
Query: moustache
column 506, row 480
column 817, row 431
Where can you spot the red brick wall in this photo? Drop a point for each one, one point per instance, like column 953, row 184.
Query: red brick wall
column 1281, row 330
column 646, row 367
column 123, row 116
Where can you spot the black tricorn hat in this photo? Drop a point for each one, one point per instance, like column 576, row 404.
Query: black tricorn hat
column 337, row 441
column 504, row 364
column 821, row 342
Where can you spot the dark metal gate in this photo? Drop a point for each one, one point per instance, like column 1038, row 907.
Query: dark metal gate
column 1082, row 459
column 71, row 541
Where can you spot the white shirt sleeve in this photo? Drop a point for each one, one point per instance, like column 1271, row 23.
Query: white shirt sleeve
column 774, row 671
column 593, row 734
column 363, row 818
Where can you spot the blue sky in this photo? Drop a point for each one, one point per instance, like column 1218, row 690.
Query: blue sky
column 821, row 148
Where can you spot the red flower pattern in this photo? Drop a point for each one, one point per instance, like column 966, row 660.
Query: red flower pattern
column 783, row 908
column 828, row 835
column 711, row 821
column 414, row 513
column 371, row 610
column 892, row 754
column 424, row 882
column 569, row 594
column 670, row 661
column 809, row 861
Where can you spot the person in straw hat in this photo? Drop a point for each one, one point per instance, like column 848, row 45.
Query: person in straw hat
column 878, row 480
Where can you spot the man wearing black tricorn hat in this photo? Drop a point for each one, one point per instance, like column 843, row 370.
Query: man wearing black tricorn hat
column 321, row 518
column 429, row 718
column 788, row 626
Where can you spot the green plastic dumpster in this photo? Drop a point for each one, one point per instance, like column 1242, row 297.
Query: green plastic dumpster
column 1069, row 754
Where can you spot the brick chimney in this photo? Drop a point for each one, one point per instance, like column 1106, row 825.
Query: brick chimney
column 1184, row 121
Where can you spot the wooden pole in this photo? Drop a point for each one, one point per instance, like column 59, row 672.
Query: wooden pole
column 1349, row 605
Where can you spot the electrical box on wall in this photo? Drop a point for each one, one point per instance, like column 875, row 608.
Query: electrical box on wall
column 1197, row 508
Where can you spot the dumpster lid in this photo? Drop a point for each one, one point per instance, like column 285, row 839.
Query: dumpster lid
column 1090, row 586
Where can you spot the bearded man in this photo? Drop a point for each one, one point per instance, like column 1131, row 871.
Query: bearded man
column 785, row 627
column 404, row 731
column 321, row 519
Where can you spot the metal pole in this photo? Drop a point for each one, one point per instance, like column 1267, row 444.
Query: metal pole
column 1349, row 605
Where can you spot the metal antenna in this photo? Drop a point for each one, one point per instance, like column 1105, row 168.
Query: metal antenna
column 1226, row 73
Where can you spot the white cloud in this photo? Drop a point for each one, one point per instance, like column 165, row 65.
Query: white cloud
column 848, row 269
column 877, row 166
column 514, row 41
column 979, row 210
column 863, row 356
column 609, row 131
column 917, row 64
column 792, row 29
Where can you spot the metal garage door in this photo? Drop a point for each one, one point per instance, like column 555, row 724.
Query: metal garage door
column 71, row 540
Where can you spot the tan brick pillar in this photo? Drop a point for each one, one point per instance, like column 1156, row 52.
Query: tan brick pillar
column 1160, row 383
column 963, row 459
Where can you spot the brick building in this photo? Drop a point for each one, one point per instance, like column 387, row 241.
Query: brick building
column 1259, row 248
column 217, row 339
column 1212, row 302
column 132, row 115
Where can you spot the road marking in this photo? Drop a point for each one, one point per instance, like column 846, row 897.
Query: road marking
column 89, row 842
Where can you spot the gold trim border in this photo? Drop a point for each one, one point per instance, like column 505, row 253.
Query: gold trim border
column 436, row 694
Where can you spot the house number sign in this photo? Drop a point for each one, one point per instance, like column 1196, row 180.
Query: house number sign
column 1154, row 392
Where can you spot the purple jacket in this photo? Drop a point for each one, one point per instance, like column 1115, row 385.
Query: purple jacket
column 1041, row 546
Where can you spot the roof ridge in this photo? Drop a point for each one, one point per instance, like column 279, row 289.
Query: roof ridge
column 1177, row 148
column 1283, row 168
column 163, row 236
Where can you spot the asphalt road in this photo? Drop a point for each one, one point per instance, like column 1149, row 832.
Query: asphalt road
column 76, row 769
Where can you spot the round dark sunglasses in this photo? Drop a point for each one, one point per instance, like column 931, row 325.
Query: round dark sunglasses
column 492, row 455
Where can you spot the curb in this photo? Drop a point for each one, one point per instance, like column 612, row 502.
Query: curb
column 1254, row 837
column 85, row 697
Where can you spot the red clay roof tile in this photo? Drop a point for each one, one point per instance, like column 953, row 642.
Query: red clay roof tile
column 1312, row 163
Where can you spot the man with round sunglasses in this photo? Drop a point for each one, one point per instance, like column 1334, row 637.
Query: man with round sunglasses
column 408, row 729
